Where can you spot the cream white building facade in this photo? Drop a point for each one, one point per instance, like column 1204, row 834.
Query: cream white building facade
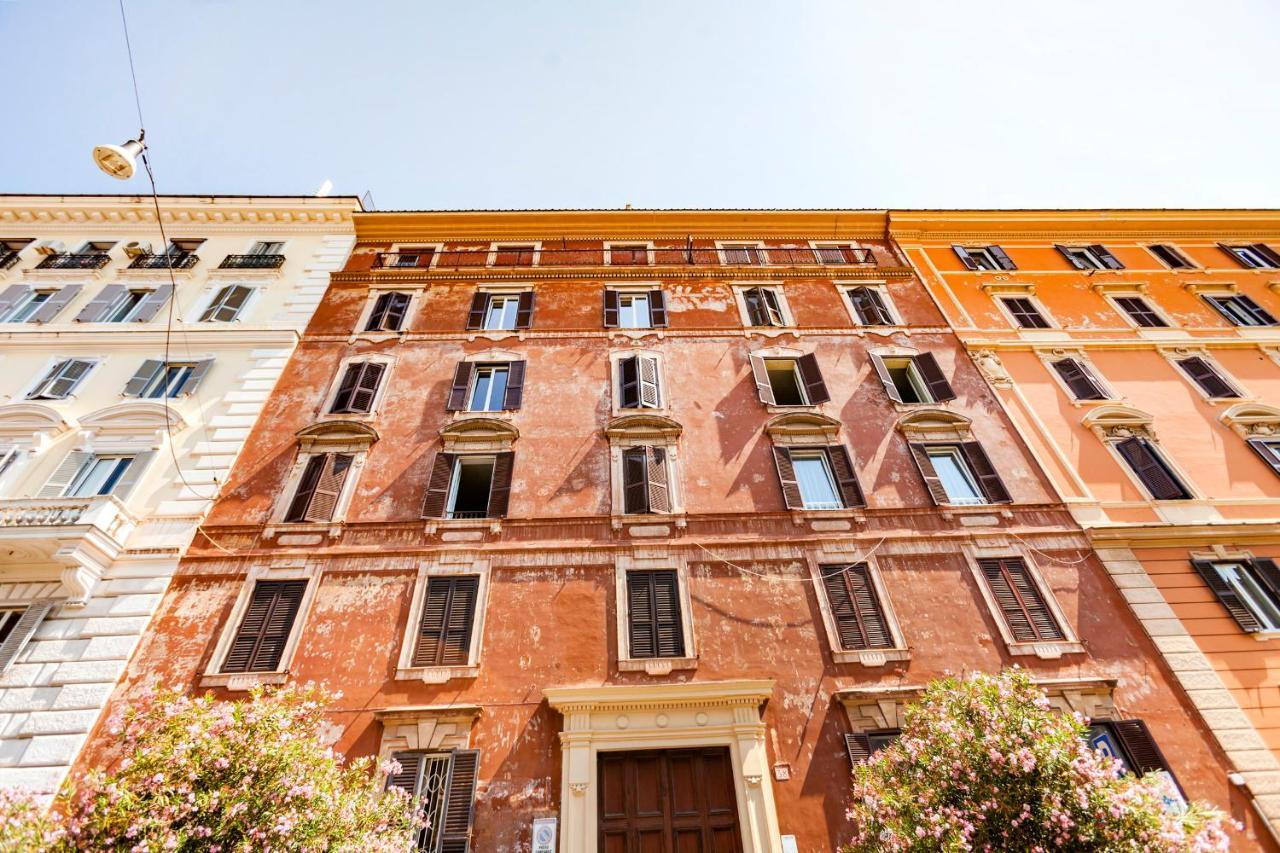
column 125, row 395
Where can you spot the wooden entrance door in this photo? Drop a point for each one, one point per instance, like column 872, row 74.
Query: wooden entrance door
column 668, row 801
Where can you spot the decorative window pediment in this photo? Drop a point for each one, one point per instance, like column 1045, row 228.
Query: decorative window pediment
column 1119, row 422
column 478, row 434
column 336, row 436
column 934, row 425
column 426, row 727
column 803, row 428
column 640, row 428
column 1253, row 420
column 138, row 423
column 22, row 423
column 496, row 355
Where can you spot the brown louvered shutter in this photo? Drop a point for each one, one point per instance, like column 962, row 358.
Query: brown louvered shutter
column 635, row 482
column 406, row 779
column 988, row 479
column 846, row 479
column 524, row 310
column 659, row 490
column 367, row 386
column 1271, row 256
column 787, row 478
column 479, row 304
column 459, row 806
column 461, row 384
column 772, row 308
column 57, row 300
column 438, row 486
column 1227, row 596
column 657, row 309
column 1020, row 602
column 1002, row 258
column 297, row 510
column 500, row 485
column 932, row 482
column 815, row 390
column 324, row 500
column 448, row 618
column 855, row 607
column 760, row 373
column 1071, row 259
column 754, row 300
column 641, row 629
column 1269, row 451
column 1140, row 747
column 858, row 745
column 342, row 400
column 964, row 257
column 1150, row 470
column 259, row 641
column 629, row 382
column 1203, row 374
column 882, row 370
column 514, row 393
column 1270, row 574
column 1109, row 260
column 1082, row 385
column 650, row 397
column 870, row 307
column 931, row 373
column 610, row 309
column 653, row 611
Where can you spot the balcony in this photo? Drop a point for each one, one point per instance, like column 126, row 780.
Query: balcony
column 72, row 539
column 7, row 259
column 252, row 262
column 180, row 261
column 75, row 261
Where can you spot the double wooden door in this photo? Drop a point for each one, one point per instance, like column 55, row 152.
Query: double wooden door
column 668, row 801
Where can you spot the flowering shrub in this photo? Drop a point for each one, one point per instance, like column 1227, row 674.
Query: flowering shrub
column 224, row 776
column 987, row 764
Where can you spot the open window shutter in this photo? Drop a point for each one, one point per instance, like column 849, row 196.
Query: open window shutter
column 1136, row 739
column 635, row 480
column 761, row 375
column 1227, row 596
column 429, row 647
column 69, row 374
column 939, row 387
column 461, row 382
column 500, row 485
column 846, row 479
column 642, row 630
column 13, row 294
column 406, row 779
column 132, row 474
column 859, row 619
column 259, row 641
column 459, row 806
column 657, row 309
column 787, row 478
column 656, row 474
column 988, row 480
column 198, row 373
column 97, row 307
column 479, row 304
column 1232, row 255
column 55, row 303
column 1203, row 374
column 1109, row 260
column 514, row 393
column 397, row 310
column 666, row 607
column 964, row 257
column 815, row 390
column 1150, row 470
column 306, row 488
column 64, row 474
column 347, row 388
column 1273, row 257
column 377, row 316
column 931, row 479
column 885, row 379
column 754, row 300
column 772, row 306
column 1071, row 259
column 610, row 309
column 1270, row 574
column 629, row 382
column 23, row 630
column 1270, row 456
column 366, row 388
column 146, row 373
column 1217, row 306
column 152, row 303
column 649, row 393
column 858, row 746
column 1002, row 258
column 459, row 620
column 328, row 487
column 1081, row 384
column 1255, row 310
column 524, row 310
column 438, row 486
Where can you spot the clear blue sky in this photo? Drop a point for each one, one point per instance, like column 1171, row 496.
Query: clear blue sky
column 863, row 103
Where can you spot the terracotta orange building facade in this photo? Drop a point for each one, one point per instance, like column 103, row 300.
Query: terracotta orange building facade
column 631, row 530
column 1138, row 353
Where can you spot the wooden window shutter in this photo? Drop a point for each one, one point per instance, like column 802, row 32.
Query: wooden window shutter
column 500, row 485
column 461, row 384
column 846, row 479
column 931, row 373
column 1140, row 747
column 479, row 304
column 653, row 612
column 1203, row 374
column 1071, row 259
column 12, row 295
column 377, row 316
column 629, row 382
column 859, row 619
column 1272, row 257
column 524, row 309
column 306, row 488
column 58, row 300
column 931, row 480
column 988, row 479
column 98, row 305
column 754, row 300
column 1109, row 260
column 650, row 396
column 1082, row 385
column 659, row 491
column 1002, row 258
column 1268, row 453
column 1150, row 470
column 764, row 387
column 1227, row 596
column 858, row 745
column 1270, row 574
column 610, row 309
column 964, row 257
column 1019, row 600
column 406, row 779
column 815, row 389
column 1231, row 253
column 882, row 371
column 152, row 303
column 140, row 380
column 514, row 393
column 657, row 309
column 787, row 478
column 459, row 806
column 448, row 617
column 870, row 306
column 635, row 481
column 328, row 488
column 259, row 642
column 438, row 485
column 23, row 630
column 359, row 387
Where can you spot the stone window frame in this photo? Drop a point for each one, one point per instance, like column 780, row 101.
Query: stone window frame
column 388, row 363
column 426, row 728
column 881, row 286
column 785, row 352
column 653, row 561
column 1174, row 354
column 758, row 245
column 335, row 434
column 437, row 249
column 286, row 570
column 739, row 289
column 496, row 246
column 214, row 285
column 1114, row 423
column 473, row 434
column 1043, row 649
column 665, row 716
column 1110, row 290
column 998, row 290
column 1251, row 419
column 638, row 430
column 622, row 244
column 417, row 295
column 1048, row 356
column 615, row 383
column 438, row 566
column 837, row 554
column 493, row 355
column 503, row 289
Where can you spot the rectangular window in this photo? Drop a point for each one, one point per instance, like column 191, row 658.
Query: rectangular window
column 742, row 254
column 913, row 379
column 126, row 307
column 1151, row 470
column 448, row 620
column 1248, row 589
column 227, row 305
column 22, row 311
column 638, row 383
column 389, row 312
column 763, row 307
column 319, row 488
column 1171, row 257
column 61, row 380
column 654, row 622
column 1020, row 601
column 989, row 258
column 628, row 255
column 1240, row 310
column 1025, row 312
column 489, row 388
column 789, row 381
column 1095, row 257
column 635, row 310
column 472, row 487
column 501, row 311
column 444, row 783
column 258, row 645
column 469, row 486
column 1209, row 380
column 817, row 477
column 863, row 745
column 957, row 480
column 645, row 481
column 784, row 379
column 99, row 475
column 170, row 381
column 1140, row 312
column 359, row 388
column 513, row 256
column 412, row 256
column 842, row 253
column 1131, row 744
column 267, row 247
column 870, row 306
column 492, row 387
column 1258, row 256
column 855, row 607
column 959, row 474
column 817, row 485
column 1080, row 379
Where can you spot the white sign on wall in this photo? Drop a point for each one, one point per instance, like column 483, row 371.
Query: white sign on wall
column 544, row 835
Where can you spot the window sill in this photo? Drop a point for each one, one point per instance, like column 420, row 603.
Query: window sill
column 437, row 674
column 679, row 519
column 499, row 415
column 656, row 666
column 242, row 681
column 1046, row 651
column 332, row 529
column 222, row 273
column 870, row 657
column 376, row 337
column 1163, row 334
column 775, row 409
column 770, row 331
column 927, row 404
column 496, row 334
column 1106, row 401
column 493, row 525
column 1258, row 331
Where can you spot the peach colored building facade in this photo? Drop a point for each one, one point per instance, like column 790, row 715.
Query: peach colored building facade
column 1138, row 353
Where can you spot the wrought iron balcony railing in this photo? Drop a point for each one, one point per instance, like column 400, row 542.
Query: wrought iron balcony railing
column 252, row 262
column 182, row 261
column 7, row 259
column 75, row 261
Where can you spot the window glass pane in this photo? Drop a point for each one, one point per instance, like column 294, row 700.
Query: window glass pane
column 1246, row 585
column 633, row 311
column 955, row 477
column 817, row 487
column 124, row 308
column 502, row 313
column 99, row 476
column 489, row 390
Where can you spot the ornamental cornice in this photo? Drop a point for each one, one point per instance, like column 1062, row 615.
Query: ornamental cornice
column 938, row 225
column 389, row 277
column 129, row 213
column 637, row 697
column 130, row 337
column 978, row 345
